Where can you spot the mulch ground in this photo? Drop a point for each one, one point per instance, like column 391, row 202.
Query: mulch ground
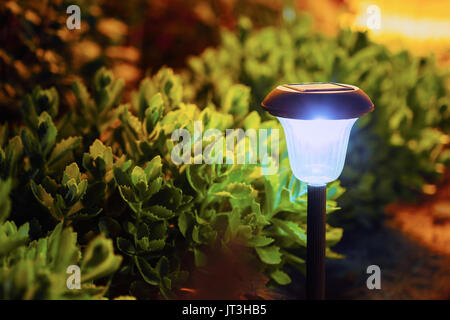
column 412, row 248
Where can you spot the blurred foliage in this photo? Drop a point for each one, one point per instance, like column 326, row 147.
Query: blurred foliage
column 103, row 171
column 126, row 36
column 36, row 47
column 173, row 26
column 392, row 151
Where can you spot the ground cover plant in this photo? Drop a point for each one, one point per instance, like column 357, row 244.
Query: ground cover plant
column 100, row 176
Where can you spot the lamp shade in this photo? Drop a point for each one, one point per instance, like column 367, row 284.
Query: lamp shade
column 317, row 119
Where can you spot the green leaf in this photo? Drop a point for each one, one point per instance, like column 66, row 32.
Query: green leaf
column 138, row 175
column 155, row 187
column 72, row 172
column 62, row 148
column 148, row 273
column 156, row 245
column 83, row 97
column 280, row 277
column 154, row 112
column 156, row 101
column 199, row 258
column 12, row 238
column 252, row 121
column 98, row 149
column 13, row 153
column 162, row 267
column 46, row 133
column 333, row 235
column 269, row 255
column 330, row 254
column 5, row 202
column 194, row 178
column 184, row 222
column 259, row 241
column 125, row 246
column 297, row 262
column 46, row 200
column 153, row 169
column 142, row 231
column 196, row 234
column 121, row 177
column 99, row 259
column 161, row 212
column 46, row 100
column 62, row 249
column 31, row 146
column 294, row 231
column 107, row 90
column 236, row 100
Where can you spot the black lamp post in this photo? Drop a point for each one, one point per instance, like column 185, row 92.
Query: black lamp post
column 317, row 119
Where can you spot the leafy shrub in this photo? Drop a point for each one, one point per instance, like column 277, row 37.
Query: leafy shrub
column 37, row 269
column 393, row 151
column 103, row 170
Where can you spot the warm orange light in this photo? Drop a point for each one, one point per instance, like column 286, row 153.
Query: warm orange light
column 423, row 27
column 188, row 290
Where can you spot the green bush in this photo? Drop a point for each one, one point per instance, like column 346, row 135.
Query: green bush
column 103, row 171
column 37, row 269
column 392, row 151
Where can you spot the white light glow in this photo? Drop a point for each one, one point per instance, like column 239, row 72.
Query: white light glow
column 317, row 148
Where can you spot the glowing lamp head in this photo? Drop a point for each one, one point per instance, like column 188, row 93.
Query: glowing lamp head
column 317, row 119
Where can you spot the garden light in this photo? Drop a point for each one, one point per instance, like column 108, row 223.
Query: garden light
column 317, row 119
